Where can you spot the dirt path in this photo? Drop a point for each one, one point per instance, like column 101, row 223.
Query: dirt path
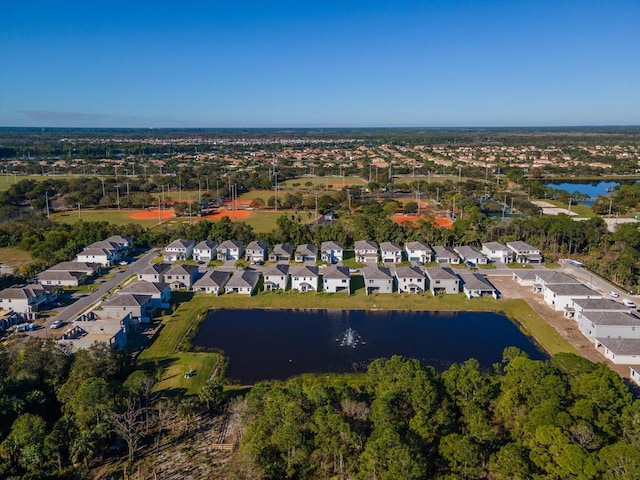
column 568, row 328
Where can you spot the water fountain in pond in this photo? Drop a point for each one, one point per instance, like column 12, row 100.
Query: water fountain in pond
column 350, row 338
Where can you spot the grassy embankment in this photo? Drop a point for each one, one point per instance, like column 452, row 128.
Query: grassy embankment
column 14, row 257
column 163, row 352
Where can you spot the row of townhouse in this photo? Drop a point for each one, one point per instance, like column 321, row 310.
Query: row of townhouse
column 610, row 325
column 106, row 252
column 366, row 251
column 338, row 279
column 208, row 250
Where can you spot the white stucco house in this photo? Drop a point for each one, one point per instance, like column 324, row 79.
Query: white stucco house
column 497, row 252
column 97, row 255
column 205, row 251
column 471, row 255
column 445, row 255
column 256, row 252
column 524, row 253
column 475, row 285
column 609, row 325
column 230, row 250
column 390, row 252
column 306, row 253
column 624, row 351
column 213, row 281
column 561, row 295
column 418, row 252
column 159, row 292
column 276, row 277
column 336, row 279
column 140, row 307
column 243, row 282
column 154, row 272
column 377, row 279
column 179, row 250
column 305, row 278
column 366, row 251
column 442, row 281
column 27, row 299
column 410, row 280
column 331, row 252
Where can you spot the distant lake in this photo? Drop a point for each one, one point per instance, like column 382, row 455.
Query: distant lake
column 593, row 189
column 277, row 344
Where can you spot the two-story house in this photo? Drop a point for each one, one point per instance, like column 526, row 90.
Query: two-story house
column 230, row 250
column 276, row 277
column 366, row 251
column 306, row 253
column 179, row 250
column 524, row 253
column 377, row 279
column 305, row 278
column 282, row 252
column 331, row 252
column 442, row 281
column 181, row 277
column 410, row 280
column 390, row 252
column 418, row 252
column 256, row 252
column 205, row 251
column 336, row 279
column 497, row 252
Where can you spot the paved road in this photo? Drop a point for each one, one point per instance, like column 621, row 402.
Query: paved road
column 69, row 313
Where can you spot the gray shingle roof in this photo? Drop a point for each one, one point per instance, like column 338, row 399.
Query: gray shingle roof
column 622, row 346
column 374, row 272
column 335, row 273
column 439, row 273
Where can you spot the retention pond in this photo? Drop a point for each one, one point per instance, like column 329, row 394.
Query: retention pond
column 277, row 344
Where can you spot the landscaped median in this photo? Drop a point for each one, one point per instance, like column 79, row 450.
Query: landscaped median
column 164, row 352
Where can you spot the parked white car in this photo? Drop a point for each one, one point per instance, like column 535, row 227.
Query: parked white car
column 614, row 294
column 57, row 324
column 628, row 303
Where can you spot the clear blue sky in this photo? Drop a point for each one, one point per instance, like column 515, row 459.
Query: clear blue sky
column 323, row 63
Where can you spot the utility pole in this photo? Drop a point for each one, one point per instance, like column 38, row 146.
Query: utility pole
column 118, row 195
column 46, row 198
column 127, row 184
column 316, row 194
column 79, row 212
column 103, row 192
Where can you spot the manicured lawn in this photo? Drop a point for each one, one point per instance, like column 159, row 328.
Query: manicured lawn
column 14, row 257
column 116, row 217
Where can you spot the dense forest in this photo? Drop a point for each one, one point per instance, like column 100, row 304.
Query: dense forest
column 60, row 414
column 558, row 419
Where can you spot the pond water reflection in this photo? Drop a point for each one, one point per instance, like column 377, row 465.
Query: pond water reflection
column 276, row 344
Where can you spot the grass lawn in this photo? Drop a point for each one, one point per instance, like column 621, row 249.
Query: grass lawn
column 253, row 194
column 163, row 350
column 14, row 257
column 112, row 216
column 263, row 221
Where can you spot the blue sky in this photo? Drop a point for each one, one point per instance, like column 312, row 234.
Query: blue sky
column 319, row 64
